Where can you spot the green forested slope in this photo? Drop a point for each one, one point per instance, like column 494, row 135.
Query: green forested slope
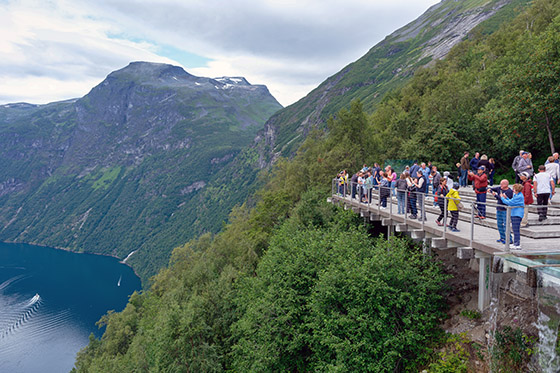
column 295, row 284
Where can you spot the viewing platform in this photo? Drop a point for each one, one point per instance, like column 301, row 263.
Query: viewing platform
column 539, row 256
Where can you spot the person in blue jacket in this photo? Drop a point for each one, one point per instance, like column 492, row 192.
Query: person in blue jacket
column 516, row 213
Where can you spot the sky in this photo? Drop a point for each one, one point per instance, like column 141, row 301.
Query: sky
column 52, row 50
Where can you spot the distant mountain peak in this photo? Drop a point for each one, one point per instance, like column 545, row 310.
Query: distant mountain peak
column 151, row 71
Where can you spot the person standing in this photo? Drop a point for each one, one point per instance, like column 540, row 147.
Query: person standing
column 368, row 186
column 441, row 192
column 391, row 176
column 464, row 165
column 384, row 189
column 501, row 212
column 426, row 172
column 491, row 171
column 524, row 165
column 414, row 169
column 436, row 179
column 345, row 182
column 411, row 186
column 554, row 159
column 480, row 187
column 542, row 182
column 516, row 213
column 484, row 162
column 474, row 162
column 401, row 190
column 375, row 173
column 421, row 186
column 553, row 169
column 449, row 179
column 354, row 184
column 361, row 182
column 341, row 182
column 452, row 206
column 528, row 197
column 515, row 163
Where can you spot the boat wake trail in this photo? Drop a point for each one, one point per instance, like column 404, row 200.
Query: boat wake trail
column 10, row 281
column 18, row 315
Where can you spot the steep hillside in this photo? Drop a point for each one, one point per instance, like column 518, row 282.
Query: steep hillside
column 386, row 66
column 296, row 284
column 122, row 169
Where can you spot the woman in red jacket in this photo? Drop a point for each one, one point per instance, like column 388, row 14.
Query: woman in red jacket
column 527, row 194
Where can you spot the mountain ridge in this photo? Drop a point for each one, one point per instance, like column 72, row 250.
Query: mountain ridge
column 122, row 168
column 386, row 66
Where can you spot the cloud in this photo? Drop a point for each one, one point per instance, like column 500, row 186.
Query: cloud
column 291, row 46
column 47, row 54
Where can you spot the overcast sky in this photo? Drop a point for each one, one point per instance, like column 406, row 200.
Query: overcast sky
column 54, row 50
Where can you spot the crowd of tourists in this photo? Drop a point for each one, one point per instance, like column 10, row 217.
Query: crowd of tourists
column 418, row 180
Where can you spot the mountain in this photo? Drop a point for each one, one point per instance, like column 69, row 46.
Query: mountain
column 386, row 66
column 121, row 169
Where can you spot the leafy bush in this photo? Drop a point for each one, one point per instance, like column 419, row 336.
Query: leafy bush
column 335, row 299
column 454, row 357
column 512, row 350
column 471, row 314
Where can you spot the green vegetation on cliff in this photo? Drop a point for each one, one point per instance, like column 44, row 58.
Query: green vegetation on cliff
column 295, row 284
column 389, row 65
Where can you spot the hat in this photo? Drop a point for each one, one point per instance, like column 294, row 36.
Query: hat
column 526, row 174
column 456, row 185
column 446, row 173
column 524, row 153
column 482, row 168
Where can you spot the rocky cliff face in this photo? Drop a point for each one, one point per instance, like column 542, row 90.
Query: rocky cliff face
column 122, row 168
column 386, row 66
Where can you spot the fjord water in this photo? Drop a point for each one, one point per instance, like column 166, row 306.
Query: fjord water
column 50, row 301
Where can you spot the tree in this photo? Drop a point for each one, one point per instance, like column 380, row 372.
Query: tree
column 528, row 107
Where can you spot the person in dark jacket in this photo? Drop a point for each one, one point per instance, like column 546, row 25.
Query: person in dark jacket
column 463, row 167
column 491, row 171
column 401, row 187
column 474, row 162
column 354, row 184
column 411, row 187
column 414, row 169
column 515, row 163
column 501, row 212
column 436, row 178
column 441, row 192
column 484, row 162
column 421, row 187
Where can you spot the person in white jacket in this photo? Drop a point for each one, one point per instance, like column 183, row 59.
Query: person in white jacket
column 553, row 169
